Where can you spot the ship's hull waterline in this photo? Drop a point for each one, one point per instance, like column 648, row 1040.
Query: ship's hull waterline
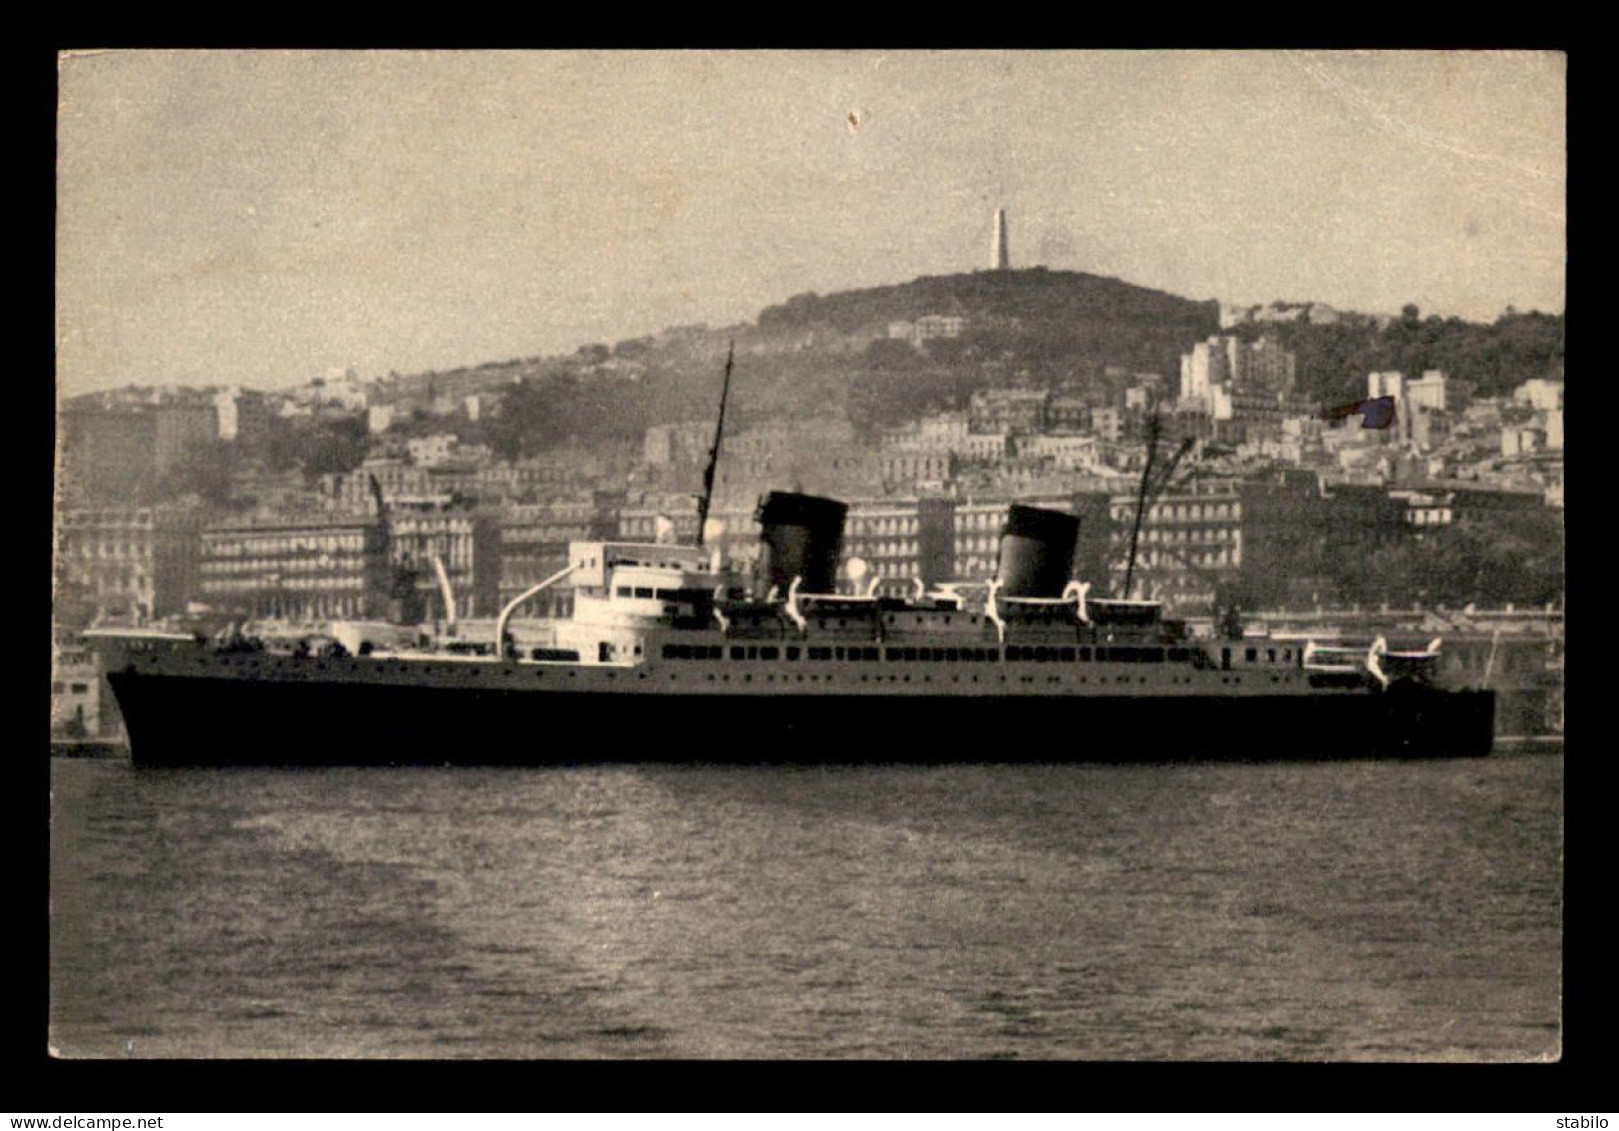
column 176, row 719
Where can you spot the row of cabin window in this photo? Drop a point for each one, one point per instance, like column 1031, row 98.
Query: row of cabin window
column 647, row 592
column 1037, row 653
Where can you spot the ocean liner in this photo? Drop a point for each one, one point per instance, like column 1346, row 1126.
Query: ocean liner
column 671, row 655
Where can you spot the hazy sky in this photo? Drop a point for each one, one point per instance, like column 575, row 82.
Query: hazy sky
column 263, row 217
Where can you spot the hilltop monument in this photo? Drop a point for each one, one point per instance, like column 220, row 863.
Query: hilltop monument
column 999, row 258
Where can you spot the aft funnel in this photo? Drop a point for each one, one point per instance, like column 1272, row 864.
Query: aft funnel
column 803, row 537
column 1037, row 552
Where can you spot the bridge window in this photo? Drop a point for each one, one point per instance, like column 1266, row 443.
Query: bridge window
column 1067, row 655
column 1250, row 654
column 792, row 652
column 769, row 653
column 737, row 652
column 622, row 591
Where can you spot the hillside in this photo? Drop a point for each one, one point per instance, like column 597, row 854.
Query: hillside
column 832, row 355
column 1036, row 298
column 1333, row 360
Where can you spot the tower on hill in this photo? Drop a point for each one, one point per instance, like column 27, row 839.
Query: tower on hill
column 999, row 257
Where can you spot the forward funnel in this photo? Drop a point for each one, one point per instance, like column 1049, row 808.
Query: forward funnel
column 803, row 538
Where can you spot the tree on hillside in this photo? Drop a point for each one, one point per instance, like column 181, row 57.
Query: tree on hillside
column 1333, row 360
column 334, row 447
column 1511, row 555
column 945, row 351
column 205, row 472
column 529, row 419
column 892, row 353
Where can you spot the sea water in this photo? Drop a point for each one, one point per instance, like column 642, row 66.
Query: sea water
column 1400, row 910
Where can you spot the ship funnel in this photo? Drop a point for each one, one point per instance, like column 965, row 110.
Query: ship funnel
column 803, row 537
column 1037, row 552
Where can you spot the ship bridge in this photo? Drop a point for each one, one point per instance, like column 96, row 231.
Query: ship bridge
column 624, row 589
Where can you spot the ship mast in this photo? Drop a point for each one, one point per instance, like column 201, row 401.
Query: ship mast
column 1150, row 492
column 707, row 496
column 1141, row 504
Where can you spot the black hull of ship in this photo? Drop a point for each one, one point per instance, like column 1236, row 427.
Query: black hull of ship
column 178, row 720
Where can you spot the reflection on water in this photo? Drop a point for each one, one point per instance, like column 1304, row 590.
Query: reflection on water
column 1371, row 910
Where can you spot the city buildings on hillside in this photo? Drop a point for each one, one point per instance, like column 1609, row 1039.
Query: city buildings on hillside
column 76, row 690
column 927, row 328
column 297, row 569
column 685, row 442
column 1065, row 452
column 1433, row 504
column 1008, row 410
column 1315, row 313
column 534, row 546
column 1231, row 362
column 926, row 500
column 889, row 546
column 1245, row 391
column 465, row 542
column 117, row 452
column 1541, row 394
column 131, row 564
